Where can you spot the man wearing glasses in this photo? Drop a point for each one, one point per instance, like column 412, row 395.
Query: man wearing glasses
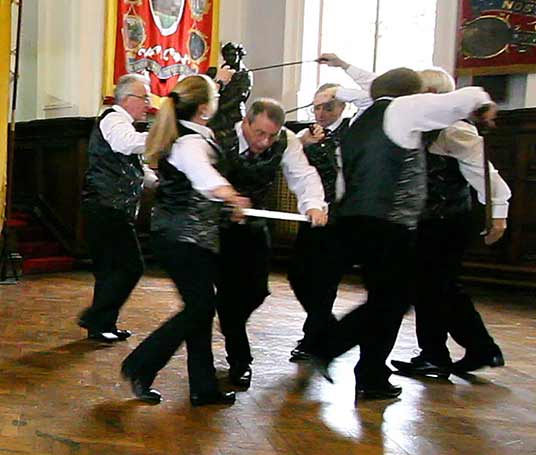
column 254, row 149
column 314, row 281
column 110, row 199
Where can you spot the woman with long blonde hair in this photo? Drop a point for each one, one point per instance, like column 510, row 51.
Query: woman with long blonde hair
column 184, row 233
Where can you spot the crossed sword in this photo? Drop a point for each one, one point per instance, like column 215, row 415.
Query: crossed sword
column 287, row 216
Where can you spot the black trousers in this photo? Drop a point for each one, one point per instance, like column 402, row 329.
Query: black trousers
column 117, row 264
column 193, row 270
column 315, row 271
column 244, row 266
column 441, row 305
column 384, row 251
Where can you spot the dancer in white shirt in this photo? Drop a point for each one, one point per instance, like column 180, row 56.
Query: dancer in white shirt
column 184, row 234
column 314, row 281
column 110, row 200
column 454, row 163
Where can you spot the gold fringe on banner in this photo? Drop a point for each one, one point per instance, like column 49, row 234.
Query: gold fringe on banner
column 215, row 45
column 109, row 48
column 5, row 59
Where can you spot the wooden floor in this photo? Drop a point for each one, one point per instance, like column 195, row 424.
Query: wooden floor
column 61, row 394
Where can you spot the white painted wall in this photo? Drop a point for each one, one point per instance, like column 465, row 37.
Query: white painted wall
column 27, row 84
column 445, row 35
column 62, row 52
column 271, row 33
column 260, row 26
column 61, row 58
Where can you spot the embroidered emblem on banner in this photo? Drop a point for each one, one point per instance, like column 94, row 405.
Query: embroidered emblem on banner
column 199, row 8
column 497, row 37
column 133, row 28
column 167, row 15
column 163, row 39
column 197, row 46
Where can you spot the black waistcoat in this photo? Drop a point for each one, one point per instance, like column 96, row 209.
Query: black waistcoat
column 448, row 190
column 382, row 179
column 322, row 156
column 180, row 212
column 112, row 179
column 250, row 176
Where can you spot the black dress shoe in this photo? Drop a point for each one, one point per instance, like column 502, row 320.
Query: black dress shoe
column 476, row 361
column 422, row 367
column 144, row 393
column 299, row 355
column 103, row 337
column 142, row 389
column 382, row 392
column 82, row 323
column 240, row 376
column 321, row 366
column 202, row 399
column 122, row 334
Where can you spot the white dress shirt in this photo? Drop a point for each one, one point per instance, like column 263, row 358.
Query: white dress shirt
column 193, row 155
column 301, row 177
column 118, row 130
column 408, row 116
column 462, row 141
column 359, row 97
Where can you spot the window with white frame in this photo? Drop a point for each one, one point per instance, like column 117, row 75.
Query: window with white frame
column 376, row 35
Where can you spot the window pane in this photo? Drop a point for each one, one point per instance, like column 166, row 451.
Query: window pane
column 406, row 38
column 406, row 34
column 348, row 31
column 309, row 71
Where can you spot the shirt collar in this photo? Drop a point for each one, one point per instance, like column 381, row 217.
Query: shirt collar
column 203, row 130
column 335, row 124
column 390, row 98
column 123, row 111
column 242, row 142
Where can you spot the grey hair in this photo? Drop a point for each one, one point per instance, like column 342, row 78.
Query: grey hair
column 124, row 84
column 273, row 109
column 326, row 86
column 437, row 80
column 329, row 85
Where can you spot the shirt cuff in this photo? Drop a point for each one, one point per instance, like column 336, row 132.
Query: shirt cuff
column 150, row 180
column 499, row 211
column 312, row 205
column 210, row 186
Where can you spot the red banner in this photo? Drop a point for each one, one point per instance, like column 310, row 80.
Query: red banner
column 163, row 39
column 497, row 37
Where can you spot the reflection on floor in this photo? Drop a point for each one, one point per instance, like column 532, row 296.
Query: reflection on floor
column 60, row 394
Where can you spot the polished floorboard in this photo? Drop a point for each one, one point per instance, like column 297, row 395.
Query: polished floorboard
column 62, row 394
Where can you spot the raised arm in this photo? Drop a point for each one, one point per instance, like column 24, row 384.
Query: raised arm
column 357, row 96
column 408, row 116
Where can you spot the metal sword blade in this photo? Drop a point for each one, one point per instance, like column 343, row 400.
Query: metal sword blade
column 275, row 215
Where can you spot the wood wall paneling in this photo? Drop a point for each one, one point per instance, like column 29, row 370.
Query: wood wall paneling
column 51, row 160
